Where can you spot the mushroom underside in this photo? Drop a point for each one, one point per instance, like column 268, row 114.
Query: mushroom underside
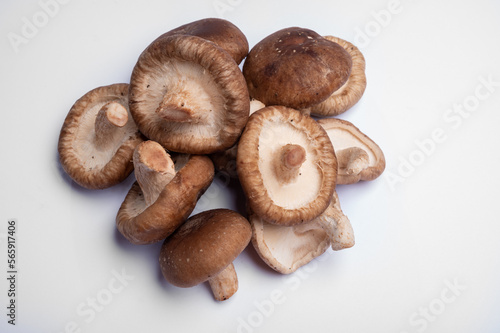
column 189, row 95
column 359, row 158
column 286, row 165
column 287, row 248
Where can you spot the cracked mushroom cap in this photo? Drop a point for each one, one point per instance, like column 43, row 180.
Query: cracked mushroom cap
column 287, row 248
column 98, row 138
column 358, row 157
column 295, row 67
column 350, row 92
column 189, row 95
column 286, row 165
column 222, row 32
column 204, row 248
column 164, row 195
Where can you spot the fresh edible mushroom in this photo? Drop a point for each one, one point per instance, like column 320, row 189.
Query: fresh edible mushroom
column 189, row 95
column 98, row 138
column 287, row 248
column 358, row 157
column 225, row 161
column 164, row 194
column 222, row 32
column 295, row 67
column 204, row 248
column 350, row 92
column 286, row 165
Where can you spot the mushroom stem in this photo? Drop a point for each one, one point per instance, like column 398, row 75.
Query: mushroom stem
column 224, row 284
column 154, row 169
column 337, row 226
column 175, row 108
column 342, row 236
column 110, row 117
column 288, row 162
column 353, row 160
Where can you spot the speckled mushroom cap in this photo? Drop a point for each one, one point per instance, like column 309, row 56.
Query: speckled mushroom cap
column 286, row 165
column 358, row 156
column 189, row 95
column 220, row 31
column 295, row 67
column 141, row 223
column 350, row 93
column 204, row 246
column 98, row 138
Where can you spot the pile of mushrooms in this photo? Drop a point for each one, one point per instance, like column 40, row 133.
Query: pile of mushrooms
column 189, row 107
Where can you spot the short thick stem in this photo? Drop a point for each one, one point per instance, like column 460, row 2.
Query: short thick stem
column 353, row 160
column 109, row 119
column 337, row 226
column 288, row 161
column 154, row 169
column 176, row 108
column 224, row 284
column 342, row 236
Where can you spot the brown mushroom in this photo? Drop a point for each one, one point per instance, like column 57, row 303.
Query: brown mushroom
column 98, row 138
column 295, row 67
column 358, row 157
column 204, row 248
column 222, row 32
column 164, row 194
column 287, row 248
column 286, row 165
column 225, row 161
column 189, row 95
column 351, row 91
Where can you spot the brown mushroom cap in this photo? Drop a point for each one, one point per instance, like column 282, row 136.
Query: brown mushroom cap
column 350, row 93
column 295, row 67
column 287, row 248
column 203, row 247
column 189, row 95
column 358, row 157
column 226, row 160
column 141, row 223
column 98, row 138
column 222, row 32
column 276, row 138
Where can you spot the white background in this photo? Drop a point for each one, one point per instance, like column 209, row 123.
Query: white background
column 430, row 221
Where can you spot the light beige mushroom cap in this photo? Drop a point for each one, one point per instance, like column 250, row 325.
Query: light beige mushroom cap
column 189, row 95
column 96, row 146
column 358, row 157
column 270, row 135
column 287, row 248
column 350, row 92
